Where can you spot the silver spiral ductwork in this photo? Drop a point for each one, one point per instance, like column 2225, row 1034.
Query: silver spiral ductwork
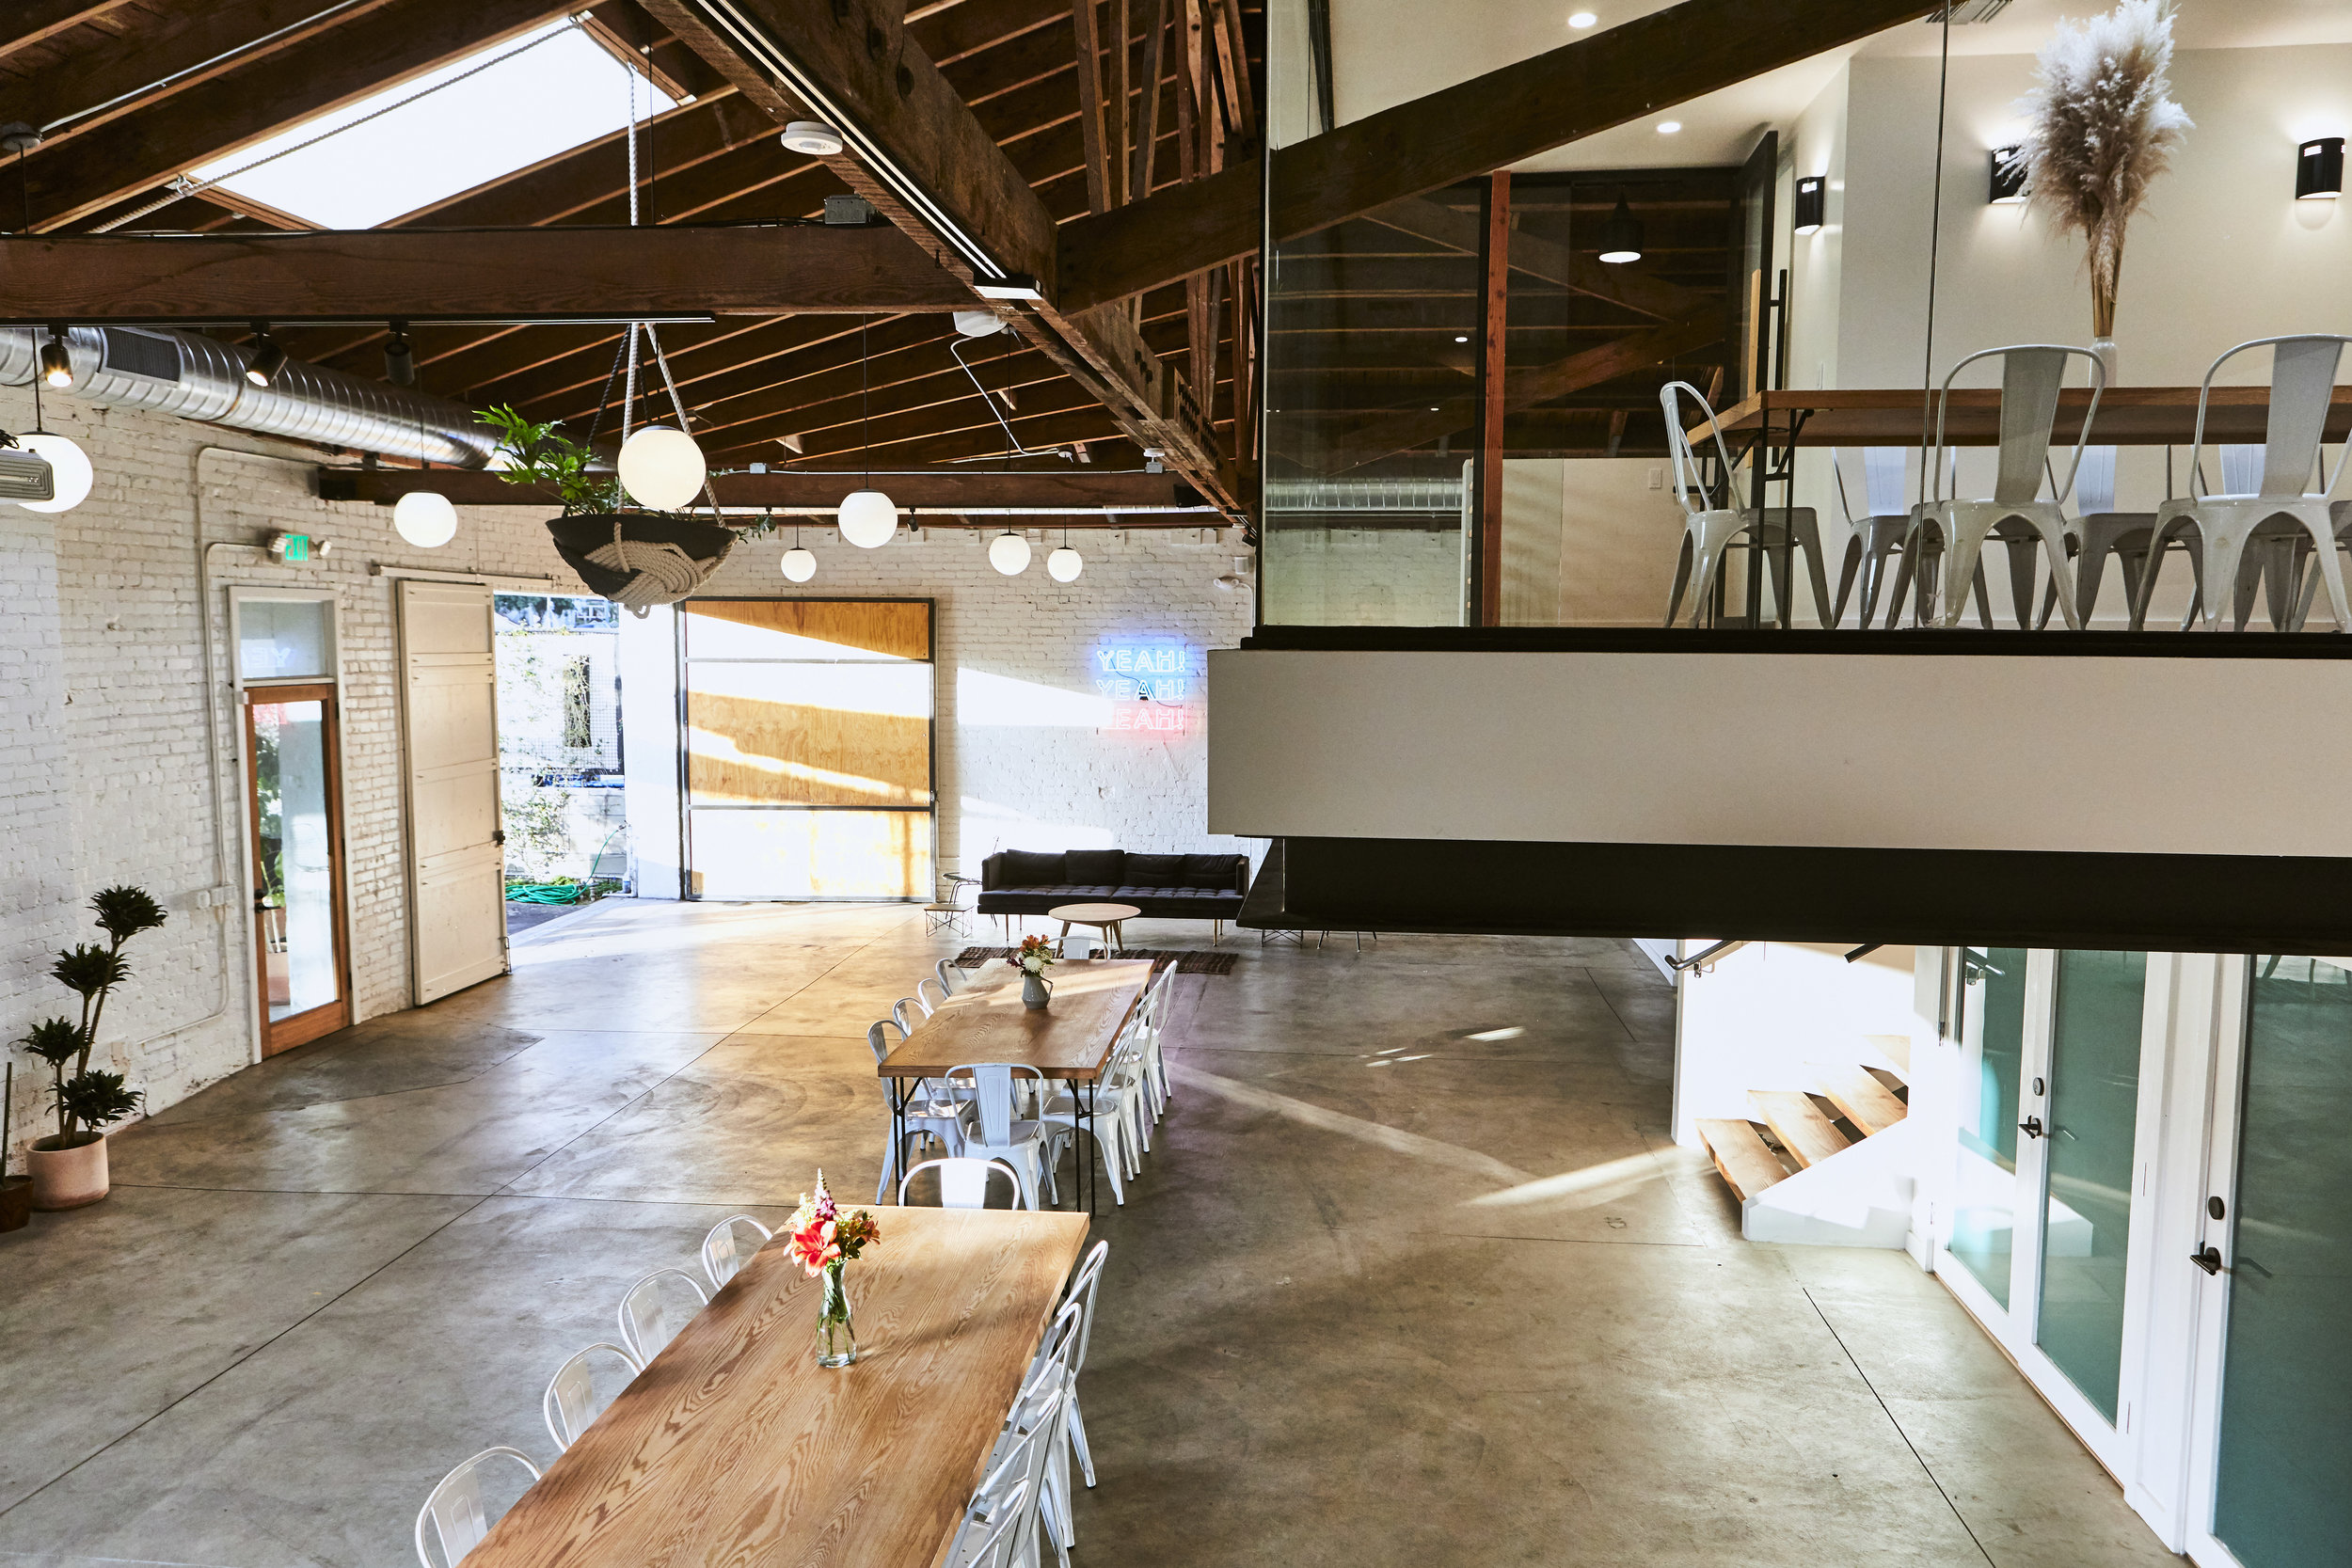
column 198, row 377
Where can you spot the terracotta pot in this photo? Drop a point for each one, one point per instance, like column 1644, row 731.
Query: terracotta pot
column 67, row 1178
column 16, row 1202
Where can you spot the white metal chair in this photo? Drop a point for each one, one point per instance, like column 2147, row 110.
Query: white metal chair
column 952, row 981
column 724, row 1250
column 1154, row 1007
column 993, row 1132
column 2031, row 375
column 2097, row 532
column 965, row 1183
column 933, row 1110
column 455, row 1508
column 1875, row 537
column 1084, row 1282
column 923, row 988
column 906, row 1012
column 1041, row 1416
column 648, row 1322
column 1709, row 531
column 571, row 1400
column 991, row 1534
column 2303, row 371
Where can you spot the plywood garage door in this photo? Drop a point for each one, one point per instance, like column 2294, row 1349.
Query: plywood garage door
column 449, row 724
column 808, row 748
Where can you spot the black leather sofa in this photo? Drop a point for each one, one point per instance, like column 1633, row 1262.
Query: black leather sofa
column 1163, row 887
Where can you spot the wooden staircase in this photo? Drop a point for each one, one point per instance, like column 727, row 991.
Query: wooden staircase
column 1794, row 1130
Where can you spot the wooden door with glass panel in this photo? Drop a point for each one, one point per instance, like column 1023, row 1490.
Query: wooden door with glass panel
column 298, row 864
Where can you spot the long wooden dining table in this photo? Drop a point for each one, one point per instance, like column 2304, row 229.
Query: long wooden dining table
column 734, row 1447
column 1070, row 1038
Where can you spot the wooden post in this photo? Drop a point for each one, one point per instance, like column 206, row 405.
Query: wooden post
column 1487, row 555
column 1122, row 89
column 1090, row 105
column 1155, row 67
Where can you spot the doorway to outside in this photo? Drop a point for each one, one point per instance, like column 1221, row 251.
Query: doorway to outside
column 287, row 675
column 560, row 771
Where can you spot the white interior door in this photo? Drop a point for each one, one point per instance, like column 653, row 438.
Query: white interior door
column 456, row 854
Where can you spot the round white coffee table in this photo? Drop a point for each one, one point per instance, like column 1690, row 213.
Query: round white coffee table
column 1110, row 917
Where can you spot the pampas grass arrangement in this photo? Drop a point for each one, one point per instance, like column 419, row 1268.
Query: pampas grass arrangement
column 2102, row 126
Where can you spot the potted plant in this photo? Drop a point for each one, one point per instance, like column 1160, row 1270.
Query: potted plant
column 16, row 1192
column 69, row 1165
column 637, row 559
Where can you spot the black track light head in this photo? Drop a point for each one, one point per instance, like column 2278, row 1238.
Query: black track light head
column 400, row 362
column 268, row 359
column 56, row 365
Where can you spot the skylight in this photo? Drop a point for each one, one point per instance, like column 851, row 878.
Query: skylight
column 553, row 90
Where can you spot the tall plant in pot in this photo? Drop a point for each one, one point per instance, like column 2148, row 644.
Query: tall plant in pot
column 69, row 1165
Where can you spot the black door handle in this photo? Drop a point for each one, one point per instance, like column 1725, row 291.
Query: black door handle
column 2209, row 1260
column 2031, row 1127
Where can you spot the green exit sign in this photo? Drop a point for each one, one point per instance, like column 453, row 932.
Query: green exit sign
column 290, row 546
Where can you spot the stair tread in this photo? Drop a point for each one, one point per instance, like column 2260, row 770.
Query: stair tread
column 1809, row 1136
column 1741, row 1158
column 1866, row 1102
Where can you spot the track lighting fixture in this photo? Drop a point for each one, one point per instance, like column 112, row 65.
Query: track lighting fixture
column 268, row 359
column 1621, row 235
column 400, row 361
column 56, row 365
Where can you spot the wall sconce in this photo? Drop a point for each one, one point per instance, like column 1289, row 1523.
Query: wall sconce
column 1812, row 202
column 2009, row 179
column 2319, row 169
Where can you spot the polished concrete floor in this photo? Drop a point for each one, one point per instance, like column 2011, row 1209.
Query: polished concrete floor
column 1413, row 1276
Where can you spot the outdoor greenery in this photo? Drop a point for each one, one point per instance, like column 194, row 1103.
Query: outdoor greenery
column 90, row 1100
column 539, row 455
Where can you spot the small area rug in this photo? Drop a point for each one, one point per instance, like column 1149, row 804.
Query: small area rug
column 1186, row 962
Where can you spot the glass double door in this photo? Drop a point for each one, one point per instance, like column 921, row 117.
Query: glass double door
column 2273, row 1267
column 2039, row 1237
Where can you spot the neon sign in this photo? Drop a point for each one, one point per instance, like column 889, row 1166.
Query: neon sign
column 1147, row 684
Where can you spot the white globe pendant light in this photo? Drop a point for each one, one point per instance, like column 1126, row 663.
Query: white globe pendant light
column 1064, row 564
column 1008, row 553
column 69, row 470
column 868, row 519
column 661, row 468
column 799, row 565
column 424, row 519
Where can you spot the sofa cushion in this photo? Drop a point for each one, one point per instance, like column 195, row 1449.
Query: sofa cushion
column 1154, row 870
column 1095, row 868
column 1029, row 868
column 1209, row 871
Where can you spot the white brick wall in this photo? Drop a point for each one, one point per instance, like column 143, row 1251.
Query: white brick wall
column 102, row 712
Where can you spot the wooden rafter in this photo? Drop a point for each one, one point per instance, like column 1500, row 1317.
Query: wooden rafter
column 1066, row 488
column 1488, row 122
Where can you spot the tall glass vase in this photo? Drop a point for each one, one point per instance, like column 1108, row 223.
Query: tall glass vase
column 836, row 1341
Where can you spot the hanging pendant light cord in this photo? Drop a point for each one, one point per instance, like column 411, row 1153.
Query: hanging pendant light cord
column 864, row 399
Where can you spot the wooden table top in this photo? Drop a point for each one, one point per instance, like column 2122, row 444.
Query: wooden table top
column 2128, row 416
column 1093, row 914
column 1070, row 1039
column 734, row 1447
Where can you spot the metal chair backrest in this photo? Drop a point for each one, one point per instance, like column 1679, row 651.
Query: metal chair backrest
column 1678, row 442
column 880, row 1042
column 647, row 1321
column 991, row 1095
column 571, row 1399
column 998, row 1520
column 2302, row 381
column 951, row 980
column 963, row 1184
column 459, row 1518
column 923, row 988
column 1882, row 470
column 2094, row 482
column 725, row 1248
column 906, row 1012
column 2031, row 375
column 1083, row 1285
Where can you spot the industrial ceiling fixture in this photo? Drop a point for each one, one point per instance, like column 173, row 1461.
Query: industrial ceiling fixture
column 1621, row 235
column 1008, row 553
column 2319, row 169
column 1812, row 203
column 813, row 137
column 268, row 358
column 1064, row 564
column 868, row 518
column 56, row 365
column 400, row 361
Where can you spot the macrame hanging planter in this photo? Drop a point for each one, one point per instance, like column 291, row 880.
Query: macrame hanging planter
column 641, row 560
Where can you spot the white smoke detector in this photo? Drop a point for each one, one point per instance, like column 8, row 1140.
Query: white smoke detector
column 812, row 136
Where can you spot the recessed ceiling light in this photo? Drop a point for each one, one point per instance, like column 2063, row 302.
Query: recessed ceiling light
column 1581, row 19
column 1461, row 337
column 1668, row 127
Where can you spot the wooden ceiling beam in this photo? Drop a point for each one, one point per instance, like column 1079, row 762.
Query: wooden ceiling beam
column 1072, row 488
column 31, row 21
column 263, row 92
column 1463, row 131
column 473, row 273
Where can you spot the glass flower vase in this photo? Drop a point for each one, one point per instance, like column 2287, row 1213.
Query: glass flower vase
column 837, row 1339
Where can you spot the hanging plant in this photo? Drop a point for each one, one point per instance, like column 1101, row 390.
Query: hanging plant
column 634, row 559
column 2102, row 126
